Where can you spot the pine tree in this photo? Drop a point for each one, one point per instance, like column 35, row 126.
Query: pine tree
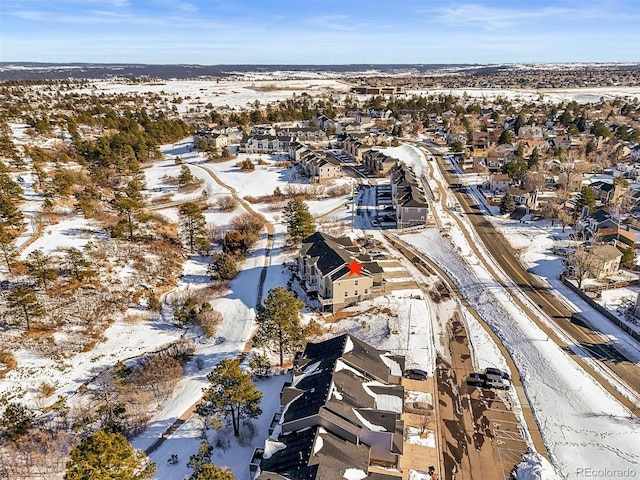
column 300, row 223
column 128, row 202
column 40, row 267
column 16, row 421
column 10, row 215
column 202, row 457
column 600, row 130
column 520, row 121
column 209, row 471
column 279, row 327
column 193, row 226
column 8, row 187
column 223, row 267
column 587, row 198
column 507, row 205
column 76, row 265
column 260, row 365
column 202, row 467
column 108, row 456
column 516, row 168
column 7, row 247
column 534, row 159
column 23, row 304
column 232, row 395
column 505, row 137
column 185, row 177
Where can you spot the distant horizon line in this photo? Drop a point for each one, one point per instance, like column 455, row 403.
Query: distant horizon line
column 540, row 62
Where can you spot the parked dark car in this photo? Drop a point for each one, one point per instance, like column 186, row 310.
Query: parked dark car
column 476, row 379
column 496, row 371
column 416, row 374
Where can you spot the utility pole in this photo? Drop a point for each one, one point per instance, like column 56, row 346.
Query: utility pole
column 353, row 205
column 409, row 328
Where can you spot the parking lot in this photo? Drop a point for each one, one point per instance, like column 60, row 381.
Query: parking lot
column 386, row 215
column 482, row 438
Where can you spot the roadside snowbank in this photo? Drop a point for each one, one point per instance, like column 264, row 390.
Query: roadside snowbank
column 535, row 467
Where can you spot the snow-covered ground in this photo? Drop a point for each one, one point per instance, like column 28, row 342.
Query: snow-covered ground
column 535, row 467
column 235, row 94
column 397, row 322
column 26, row 180
column 590, row 429
column 555, row 95
column 230, row 452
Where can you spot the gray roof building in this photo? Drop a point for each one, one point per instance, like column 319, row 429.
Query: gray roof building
column 341, row 412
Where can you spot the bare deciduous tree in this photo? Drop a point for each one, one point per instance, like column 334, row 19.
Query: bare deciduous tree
column 581, row 262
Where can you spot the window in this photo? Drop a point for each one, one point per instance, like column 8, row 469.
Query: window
column 346, row 294
column 356, row 293
column 356, row 282
column 366, row 290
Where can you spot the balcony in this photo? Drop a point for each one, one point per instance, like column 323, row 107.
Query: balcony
column 256, row 459
column 274, row 421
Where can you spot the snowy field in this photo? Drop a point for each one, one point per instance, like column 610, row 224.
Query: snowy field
column 234, row 94
column 556, row 95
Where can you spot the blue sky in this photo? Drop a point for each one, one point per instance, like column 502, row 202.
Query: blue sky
column 319, row 31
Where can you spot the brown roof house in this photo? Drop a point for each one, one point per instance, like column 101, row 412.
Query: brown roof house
column 355, row 146
column 603, row 227
column 499, row 183
column 340, row 414
column 606, row 261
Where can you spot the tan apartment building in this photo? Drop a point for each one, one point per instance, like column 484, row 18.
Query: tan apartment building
column 323, row 271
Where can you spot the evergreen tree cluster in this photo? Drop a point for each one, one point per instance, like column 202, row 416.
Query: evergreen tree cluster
column 135, row 141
